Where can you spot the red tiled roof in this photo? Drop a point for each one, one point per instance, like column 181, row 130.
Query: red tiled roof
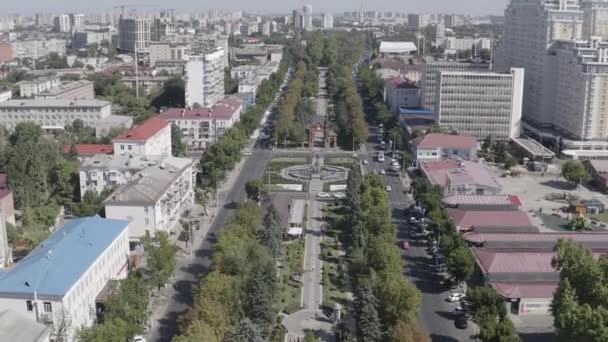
column 468, row 219
column 437, row 140
column 457, row 172
column 4, row 189
column 536, row 237
column 85, row 150
column 401, row 82
column 517, row 290
column 144, row 130
column 224, row 109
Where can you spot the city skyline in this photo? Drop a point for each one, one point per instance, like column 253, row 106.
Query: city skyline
column 473, row 7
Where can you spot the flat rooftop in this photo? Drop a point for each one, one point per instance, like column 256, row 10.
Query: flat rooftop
column 296, row 214
column 534, row 147
column 62, row 88
column 46, row 103
column 536, row 240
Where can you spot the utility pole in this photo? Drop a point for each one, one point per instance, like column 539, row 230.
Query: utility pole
column 136, row 72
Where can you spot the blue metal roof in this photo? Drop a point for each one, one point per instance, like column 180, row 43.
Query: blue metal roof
column 56, row 264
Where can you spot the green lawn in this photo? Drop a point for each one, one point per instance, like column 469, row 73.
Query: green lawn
column 333, row 258
column 290, row 292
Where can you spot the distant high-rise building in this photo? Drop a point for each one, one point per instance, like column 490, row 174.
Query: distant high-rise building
column 62, row 23
column 44, row 19
column 134, row 33
column 418, row 21
column 328, row 20
column 595, row 18
column 297, row 21
column 439, row 33
column 307, row 17
column 76, row 20
column 265, row 28
column 205, row 78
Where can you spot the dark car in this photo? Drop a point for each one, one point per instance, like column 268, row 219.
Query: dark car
column 461, row 322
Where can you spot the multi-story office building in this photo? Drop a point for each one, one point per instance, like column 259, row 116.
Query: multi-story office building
column 61, row 23
column 161, row 28
column 53, row 114
column 167, row 51
column 58, row 282
column 203, row 126
column 453, row 20
column 39, row 85
column 205, row 78
column 77, row 90
column 35, row 49
column 134, row 33
column 328, row 20
column 400, row 92
column 307, row 17
column 81, row 39
column 150, row 138
column 430, row 76
column 297, row 21
column 155, row 199
column 481, row 104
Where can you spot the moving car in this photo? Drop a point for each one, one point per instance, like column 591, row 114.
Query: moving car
column 382, row 172
column 323, row 195
column 405, row 245
column 455, row 297
column 365, row 162
column 388, row 188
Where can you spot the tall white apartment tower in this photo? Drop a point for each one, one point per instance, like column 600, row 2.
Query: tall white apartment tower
column 62, row 23
column 205, row 78
column 531, row 26
column 134, row 33
column 307, row 17
column 328, row 20
column 595, row 22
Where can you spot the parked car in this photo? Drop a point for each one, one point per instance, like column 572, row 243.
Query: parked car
column 405, row 245
column 388, row 188
column 138, row 338
column 365, row 162
column 323, row 195
column 455, row 297
column 382, row 172
column 413, row 220
column 458, row 311
column 440, row 268
column 461, row 322
column 340, row 195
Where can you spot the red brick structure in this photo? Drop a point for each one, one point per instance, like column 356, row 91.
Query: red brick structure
column 320, row 134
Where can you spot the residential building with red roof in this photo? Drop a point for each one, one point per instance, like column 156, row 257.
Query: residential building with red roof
column 591, row 240
column 89, row 150
column 460, row 177
column 480, row 202
column 202, row 126
column 437, row 146
column 150, row 138
column 400, row 92
column 503, row 221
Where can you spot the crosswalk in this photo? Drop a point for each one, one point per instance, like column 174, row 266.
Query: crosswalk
column 399, row 203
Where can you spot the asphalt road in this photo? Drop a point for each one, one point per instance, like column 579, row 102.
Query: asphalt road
column 188, row 275
column 435, row 314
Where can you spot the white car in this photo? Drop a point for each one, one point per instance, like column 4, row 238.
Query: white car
column 323, row 195
column 382, row 172
column 455, row 297
column 340, row 195
column 138, row 338
column 388, row 188
column 365, row 162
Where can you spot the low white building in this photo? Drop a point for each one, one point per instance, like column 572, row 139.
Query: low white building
column 398, row 49
column 77, row 90
column 59, row 281
column 155, row 199
column 202, row 126
column 39, row 85
column 481, row 104
column 150, row 138
column 436, row 146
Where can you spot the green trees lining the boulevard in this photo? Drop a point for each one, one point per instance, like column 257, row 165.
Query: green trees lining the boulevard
column 386, row 303
column 235, row 301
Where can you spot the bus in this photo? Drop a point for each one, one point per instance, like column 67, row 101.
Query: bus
column 380, row 156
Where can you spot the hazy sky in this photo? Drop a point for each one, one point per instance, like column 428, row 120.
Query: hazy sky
column 474, row 7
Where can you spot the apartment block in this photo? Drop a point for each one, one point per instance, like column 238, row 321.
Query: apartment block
column 155, row 199
column 150, row 138
column 35, row 49
column 81, row 39
column 480, row 104
column 166, row 51
column 205, row 78
column 38, row 85
column 62, row 277
column 202, row 126
column 134, row 34
column 430, row 75
column 400, row 92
